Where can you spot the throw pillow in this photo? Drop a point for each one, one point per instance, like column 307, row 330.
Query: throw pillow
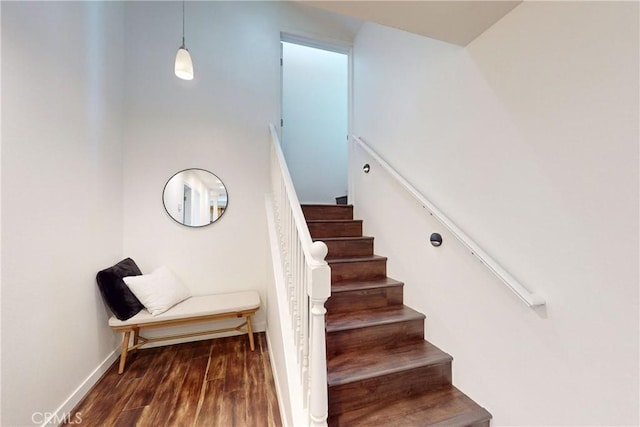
column 115, row 293
column 158, row 291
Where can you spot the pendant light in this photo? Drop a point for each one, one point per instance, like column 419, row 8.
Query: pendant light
column 184, row 66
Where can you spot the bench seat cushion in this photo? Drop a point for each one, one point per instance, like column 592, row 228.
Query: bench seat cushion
column 204, row 305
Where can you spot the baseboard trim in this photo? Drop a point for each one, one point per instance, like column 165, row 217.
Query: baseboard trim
column 63, row 413
column 276, row 380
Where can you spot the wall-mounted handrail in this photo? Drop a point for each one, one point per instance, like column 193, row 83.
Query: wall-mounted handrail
column 529, row 298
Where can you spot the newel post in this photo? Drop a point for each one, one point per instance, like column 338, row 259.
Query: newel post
column 319, row 292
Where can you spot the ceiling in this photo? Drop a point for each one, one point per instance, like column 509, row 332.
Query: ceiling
column 457, row 22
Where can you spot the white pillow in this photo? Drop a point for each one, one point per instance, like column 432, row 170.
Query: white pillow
column 158, row 291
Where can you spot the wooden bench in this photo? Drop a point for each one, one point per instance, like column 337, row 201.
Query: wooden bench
column 192, row 310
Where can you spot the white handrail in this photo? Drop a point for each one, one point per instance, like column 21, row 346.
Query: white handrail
column 308, row 286
column 529, row 298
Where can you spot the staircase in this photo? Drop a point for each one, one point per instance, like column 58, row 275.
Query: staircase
column 381, row 371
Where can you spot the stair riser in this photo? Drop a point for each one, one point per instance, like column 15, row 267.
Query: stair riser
column 345, row 302
column 312, row 212
column 388, row 388
column 350, row 248
column 388, row 335
column 335, row 229
column 358, row 270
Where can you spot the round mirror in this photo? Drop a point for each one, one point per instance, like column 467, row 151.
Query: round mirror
column 195, row 197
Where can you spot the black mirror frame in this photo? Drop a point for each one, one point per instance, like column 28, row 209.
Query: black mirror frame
column 194, row 226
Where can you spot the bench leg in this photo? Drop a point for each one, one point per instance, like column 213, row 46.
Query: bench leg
column 250, row 332
column 125, row 347
column 136, row 338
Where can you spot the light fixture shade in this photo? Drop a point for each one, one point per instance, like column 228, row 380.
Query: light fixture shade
column 184, row 66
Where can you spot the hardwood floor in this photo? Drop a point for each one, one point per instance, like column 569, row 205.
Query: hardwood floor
column 218, row 382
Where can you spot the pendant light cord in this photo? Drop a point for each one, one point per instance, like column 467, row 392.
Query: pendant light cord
column 183, row 23
column 183, row 66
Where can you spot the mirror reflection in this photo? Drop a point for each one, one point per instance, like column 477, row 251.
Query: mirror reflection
column 195, row 197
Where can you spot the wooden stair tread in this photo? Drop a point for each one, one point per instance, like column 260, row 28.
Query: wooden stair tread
column 349, row 296
column 443, row 407
column 346, row 246
column 331, row 221
column 341, row 239
column 357, row 268
column 366, row 318
column 357, row 366
column 319, row 211
column 355, row 259
column 385, row 282
column 325, row 205
column 319, row 228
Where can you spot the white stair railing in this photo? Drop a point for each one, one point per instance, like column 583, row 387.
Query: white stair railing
column 308, row 286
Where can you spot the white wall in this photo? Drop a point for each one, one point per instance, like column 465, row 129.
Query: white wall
column 528, row 139
column 62, row 99
column 219, row 122
column 314, row 103
column 0, row 219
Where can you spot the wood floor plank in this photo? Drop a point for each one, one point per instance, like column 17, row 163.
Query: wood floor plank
column 219, row 360
column 200, row 348
column 211, row 409
column 152, row 378
column 259, row 414
column 209, row 383
column 165, row 399
column 255, row 395
column 130, row 417
column 109, row 409
column 138, row 363
column 236, row 408
column 234, row 374
column 269, row 386
column 185, row 409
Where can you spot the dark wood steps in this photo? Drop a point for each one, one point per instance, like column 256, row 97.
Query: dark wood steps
column 443, row 407
column 348, row 246
column 324, row 212
column 345, row 369
column 337, row 322
column 335, row 228
column 357, row 268
column 380, row 370
column 396, row 386
column 353, row 296
column 382, row 327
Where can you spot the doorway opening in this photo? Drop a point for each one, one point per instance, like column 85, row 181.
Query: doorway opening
column 186, row 212
column 315, row 118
